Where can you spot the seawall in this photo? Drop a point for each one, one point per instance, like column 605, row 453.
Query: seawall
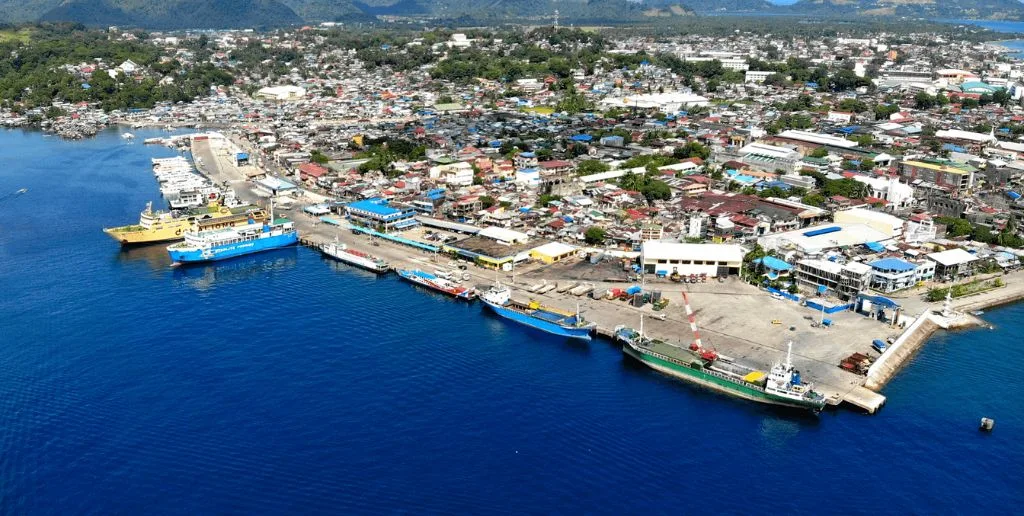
column 901, row 350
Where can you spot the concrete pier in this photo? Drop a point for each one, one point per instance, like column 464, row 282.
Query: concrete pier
column 736, row 319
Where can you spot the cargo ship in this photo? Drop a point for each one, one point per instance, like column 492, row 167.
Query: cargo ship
column 534, row 315
column 169, row 226
column 781, row 386
column 437, row 283
column 221, row 244
column 342, row 253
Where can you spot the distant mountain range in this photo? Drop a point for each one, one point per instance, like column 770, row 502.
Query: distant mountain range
column 180, row 14
column 961, row 9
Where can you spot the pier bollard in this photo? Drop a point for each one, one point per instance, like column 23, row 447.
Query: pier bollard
column 987, row 424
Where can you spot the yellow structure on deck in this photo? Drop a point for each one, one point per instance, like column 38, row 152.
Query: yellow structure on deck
column 754, row 377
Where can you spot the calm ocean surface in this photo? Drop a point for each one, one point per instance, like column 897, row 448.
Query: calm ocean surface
column 285, row 384
column 1005, row 26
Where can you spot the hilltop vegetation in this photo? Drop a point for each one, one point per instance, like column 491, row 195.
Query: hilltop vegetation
column 181, row 14
column 32, row 73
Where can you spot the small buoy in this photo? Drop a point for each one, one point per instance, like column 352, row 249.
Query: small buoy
column 987, row 424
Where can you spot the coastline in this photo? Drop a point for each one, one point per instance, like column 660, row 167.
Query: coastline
column 1009, row 50
column 920, row 332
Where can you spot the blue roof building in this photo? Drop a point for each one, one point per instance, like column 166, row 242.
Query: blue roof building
column 892, row 274
column 379, row 215
column 774, row 267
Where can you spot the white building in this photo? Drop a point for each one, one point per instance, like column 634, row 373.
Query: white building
column 686, row 259
column 892, row 274
column 918, row 232
column 966, row 136
column 840, row 117
column 889, row 188
column 504, row 236
column 280, row 93
column 459, row 41
column 528, row 176
column 889, row 225
column 815, row 240
column 756, row 76
column 669, row 102
column 455, row 174
column 819, row 139
column 952, row 264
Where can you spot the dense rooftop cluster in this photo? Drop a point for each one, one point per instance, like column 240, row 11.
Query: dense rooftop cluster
column 604, row 141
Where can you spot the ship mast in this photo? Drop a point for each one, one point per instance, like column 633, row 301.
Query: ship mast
column 641, row 326
column 789, row 356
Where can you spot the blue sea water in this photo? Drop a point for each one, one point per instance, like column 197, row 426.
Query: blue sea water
column 282, row 383
column 1002, row 26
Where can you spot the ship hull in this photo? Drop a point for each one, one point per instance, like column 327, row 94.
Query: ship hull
column 539, row 324
column 223, row 252
column 466, row 295
column 357, row 261
column 170, row 232
column 715, row 383
column 173, row 230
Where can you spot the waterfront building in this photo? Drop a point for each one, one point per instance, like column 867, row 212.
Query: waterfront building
column 380, row 215
column 953, row 264
column 892, row 274
column 685, row 259
column 552, row 252
column 846, row 280
column 272, row 187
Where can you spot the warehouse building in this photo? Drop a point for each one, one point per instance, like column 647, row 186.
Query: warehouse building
column 889, row 225
column 714, row 260
column 816, row 240
column 552, row 252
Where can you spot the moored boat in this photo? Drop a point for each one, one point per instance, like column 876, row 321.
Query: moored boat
column 220, row 244
column 781, row 386
column 342, row 253
column 169, row 226
column 533, row 314
column 437, row 283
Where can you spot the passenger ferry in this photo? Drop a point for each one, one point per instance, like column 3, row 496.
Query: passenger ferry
column 170, row 226
column 220, row 244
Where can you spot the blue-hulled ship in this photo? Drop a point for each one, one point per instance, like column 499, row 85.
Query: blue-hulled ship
column 534, row 315
column 221, row 244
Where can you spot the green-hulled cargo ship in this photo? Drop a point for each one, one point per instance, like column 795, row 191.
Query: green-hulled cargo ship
column 781, row 386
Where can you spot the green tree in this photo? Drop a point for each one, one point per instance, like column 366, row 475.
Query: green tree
column 318, row 157
column 595, row 235
column 486, row 201
column 814, row 199
column 591, row 166
column 819, row 152
column 631, row 181
column 955, row 227
column 656, row 190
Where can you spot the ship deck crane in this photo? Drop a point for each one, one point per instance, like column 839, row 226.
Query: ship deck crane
column 697, row 345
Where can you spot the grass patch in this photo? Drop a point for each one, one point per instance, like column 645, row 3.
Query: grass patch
column 541, row 110
column 23, row 35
